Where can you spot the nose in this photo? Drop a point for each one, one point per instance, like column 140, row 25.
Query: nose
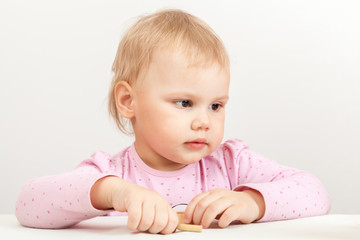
column 201, row 121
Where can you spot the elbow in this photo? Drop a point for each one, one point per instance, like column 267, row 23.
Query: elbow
column 32, row 213
column 323, row 204
column 327, row 204
column 35, row 221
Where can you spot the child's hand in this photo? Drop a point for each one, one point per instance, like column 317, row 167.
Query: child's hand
column 147, row 210
column 225, row 205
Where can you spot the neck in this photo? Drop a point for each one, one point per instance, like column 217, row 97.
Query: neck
column 156, row 161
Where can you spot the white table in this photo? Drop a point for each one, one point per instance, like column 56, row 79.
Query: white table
column 104, row 228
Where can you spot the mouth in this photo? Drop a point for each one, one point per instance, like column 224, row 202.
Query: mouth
column 197, row 143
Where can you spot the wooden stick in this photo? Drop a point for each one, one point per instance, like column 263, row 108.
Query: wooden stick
column 187, row 227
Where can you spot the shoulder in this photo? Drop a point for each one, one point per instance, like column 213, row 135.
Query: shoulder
column 235, row 144
column 97, row 158
column 104, row 161
column 232, row 147
column 231, row 150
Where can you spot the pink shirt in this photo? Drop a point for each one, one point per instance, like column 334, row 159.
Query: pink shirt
column 63, row 200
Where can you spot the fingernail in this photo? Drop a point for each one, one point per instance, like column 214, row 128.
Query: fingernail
column 186, row 220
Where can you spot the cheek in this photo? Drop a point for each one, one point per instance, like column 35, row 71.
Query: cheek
column 174, row 124
column 219, row 121
column 163, row 120
column 218, row 127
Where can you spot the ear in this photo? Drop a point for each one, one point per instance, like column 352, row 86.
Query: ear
column 124, row 99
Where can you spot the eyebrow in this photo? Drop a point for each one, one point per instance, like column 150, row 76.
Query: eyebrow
column 226, row 97
column 194, row 96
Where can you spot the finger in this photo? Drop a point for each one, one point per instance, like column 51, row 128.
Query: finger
column 160, row 219
column 202, row 205
column 215, row 209
column 147, row 216
column 172, row 222
column 189, row 211
column 134, row 215
column 230, row 214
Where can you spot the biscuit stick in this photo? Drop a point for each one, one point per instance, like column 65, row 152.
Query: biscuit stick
column 187, row 227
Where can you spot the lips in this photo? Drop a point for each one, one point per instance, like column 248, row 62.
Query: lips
column 197, row 143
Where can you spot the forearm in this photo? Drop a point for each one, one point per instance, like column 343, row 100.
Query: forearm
column 299, row 195
column 288, row 192
column 57, row 201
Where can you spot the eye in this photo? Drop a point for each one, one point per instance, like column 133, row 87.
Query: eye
column 183, row 103
column 215, row 107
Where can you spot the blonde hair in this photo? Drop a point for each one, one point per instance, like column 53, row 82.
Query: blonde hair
column 174, row 29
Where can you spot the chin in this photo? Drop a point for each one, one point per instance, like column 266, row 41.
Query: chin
column 196, row 158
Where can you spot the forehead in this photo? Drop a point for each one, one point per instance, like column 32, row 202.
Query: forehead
column 173, row 71
column 164, row 59
column 189, row 56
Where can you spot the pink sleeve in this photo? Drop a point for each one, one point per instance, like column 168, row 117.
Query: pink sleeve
column 62, row 200
column 288, row 193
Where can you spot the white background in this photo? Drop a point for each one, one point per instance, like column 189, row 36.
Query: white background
column 295, row 85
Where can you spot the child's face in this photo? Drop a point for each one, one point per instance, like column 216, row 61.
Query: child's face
column 179, row 111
